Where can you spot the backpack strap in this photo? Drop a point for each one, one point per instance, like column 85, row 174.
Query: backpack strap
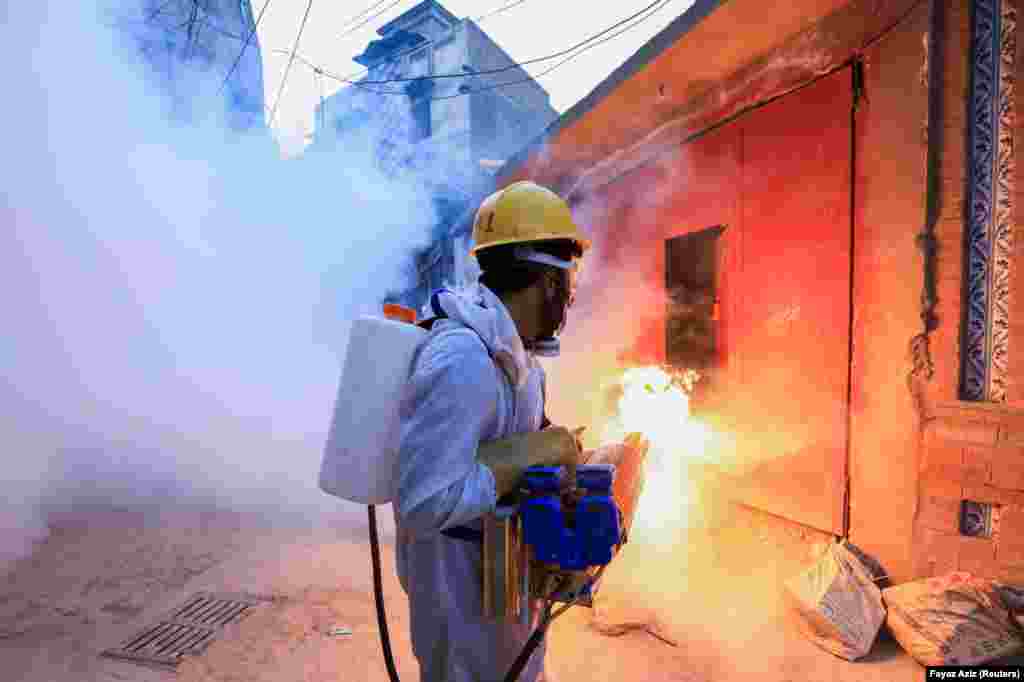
column 463, row 533
column 544, row 421
column 435, row 307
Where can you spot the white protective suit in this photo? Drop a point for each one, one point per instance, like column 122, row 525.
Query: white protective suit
column 472, row 382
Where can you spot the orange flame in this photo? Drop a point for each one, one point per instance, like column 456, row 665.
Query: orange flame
column 657, row 404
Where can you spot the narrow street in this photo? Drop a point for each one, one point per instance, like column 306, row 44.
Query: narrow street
column 100, row 578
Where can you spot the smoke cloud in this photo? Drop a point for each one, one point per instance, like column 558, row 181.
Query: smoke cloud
column 176, row 300
column 615, row 306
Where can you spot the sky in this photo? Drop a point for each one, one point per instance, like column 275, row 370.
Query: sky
column 527, row 29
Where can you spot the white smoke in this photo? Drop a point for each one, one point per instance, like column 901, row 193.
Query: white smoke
column 176, row 301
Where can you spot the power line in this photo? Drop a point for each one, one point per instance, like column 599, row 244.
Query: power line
column 586, row 45
column 368, row 9
column 245, row 46
column 159, row 10
column 247, row 39
column 506, row 6
column 652, row 8
column 367, row 20
column 515, row 65
column 478, row 19
column 664, row 3
column 291, row 60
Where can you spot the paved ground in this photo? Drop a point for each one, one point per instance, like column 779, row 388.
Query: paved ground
column 103, row 575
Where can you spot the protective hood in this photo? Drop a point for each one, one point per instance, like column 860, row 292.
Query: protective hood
column 481, row 310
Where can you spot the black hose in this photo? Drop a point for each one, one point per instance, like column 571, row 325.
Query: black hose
column 378, row 590
column 524, row 656
column 382, row 623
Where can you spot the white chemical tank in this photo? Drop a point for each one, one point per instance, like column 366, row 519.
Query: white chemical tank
column 362, row 446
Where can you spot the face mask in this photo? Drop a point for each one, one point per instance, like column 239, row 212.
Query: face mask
column 550, row 347
column 556, row 312
column 556, row 308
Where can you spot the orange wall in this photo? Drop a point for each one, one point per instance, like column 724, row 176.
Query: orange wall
column 952, row 138
column 891, row 157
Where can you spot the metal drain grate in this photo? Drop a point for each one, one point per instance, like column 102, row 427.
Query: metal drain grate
column 188, row 629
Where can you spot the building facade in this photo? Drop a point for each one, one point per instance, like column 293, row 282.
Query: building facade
column 454, row 131
column 818, row 208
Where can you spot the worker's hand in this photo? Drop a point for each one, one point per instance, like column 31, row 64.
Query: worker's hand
column 508, row 458
column 564, row 450
column 578, row 435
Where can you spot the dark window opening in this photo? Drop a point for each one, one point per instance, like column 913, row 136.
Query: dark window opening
column 976, row 519
column 693, row 315
column 421, row 119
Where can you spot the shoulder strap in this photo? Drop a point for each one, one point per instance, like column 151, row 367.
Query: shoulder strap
column 439, row 313
column 544, row 422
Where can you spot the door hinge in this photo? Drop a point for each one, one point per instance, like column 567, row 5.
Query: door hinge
column 858, row 82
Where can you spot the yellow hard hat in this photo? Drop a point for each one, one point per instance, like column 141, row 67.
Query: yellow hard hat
column 521, row 213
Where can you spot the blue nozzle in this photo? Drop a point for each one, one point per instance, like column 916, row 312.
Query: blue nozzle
column 596, row 478
column 543, row 479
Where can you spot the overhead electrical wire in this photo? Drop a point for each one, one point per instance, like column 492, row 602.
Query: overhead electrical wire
column 482, row 17
column 515, row 65
column 317, row 69
column 575, row 50
column 572, row 53
column 496, row 86
column 248, row 38
column 368, row 9
column 571, row 57
column 291, row 60
column 158, row 10
column 506, row 6
column 367, row 20
column 245, row 46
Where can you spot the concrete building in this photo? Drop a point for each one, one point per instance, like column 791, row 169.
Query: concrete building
column 455, row 131
column 192, row 46
column 823, row 195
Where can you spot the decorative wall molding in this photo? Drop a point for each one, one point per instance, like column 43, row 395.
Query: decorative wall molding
column 990, row 201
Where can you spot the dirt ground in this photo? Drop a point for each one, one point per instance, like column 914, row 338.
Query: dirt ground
column 105, row 574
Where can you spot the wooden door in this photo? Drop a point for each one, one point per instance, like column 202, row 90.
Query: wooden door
column 793, row 334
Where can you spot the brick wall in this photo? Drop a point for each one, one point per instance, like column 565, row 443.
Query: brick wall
column 975, row 453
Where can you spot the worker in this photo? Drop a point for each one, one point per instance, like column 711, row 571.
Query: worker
column 476, row 380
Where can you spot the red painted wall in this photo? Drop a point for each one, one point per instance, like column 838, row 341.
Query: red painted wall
column 778, row 178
